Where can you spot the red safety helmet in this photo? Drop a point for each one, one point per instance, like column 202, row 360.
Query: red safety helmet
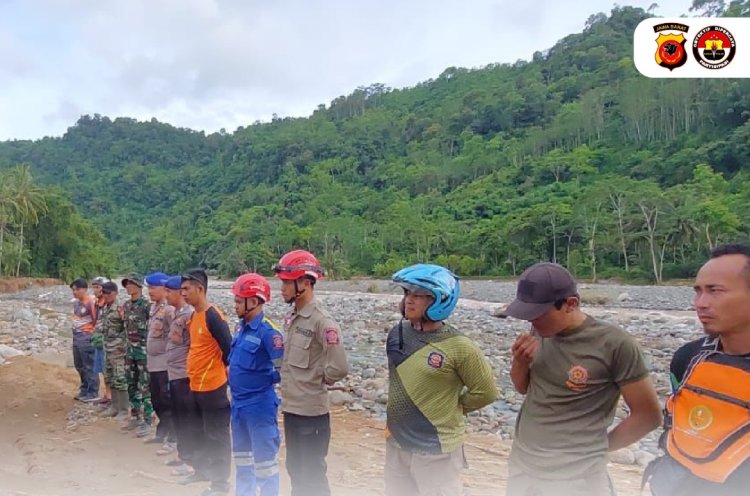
column 296, row 264
column 252, row 286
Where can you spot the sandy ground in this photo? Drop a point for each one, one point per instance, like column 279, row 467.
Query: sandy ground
column 43, row 456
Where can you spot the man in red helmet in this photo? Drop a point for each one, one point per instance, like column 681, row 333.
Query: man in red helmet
column 254, row 362
column 314, row 359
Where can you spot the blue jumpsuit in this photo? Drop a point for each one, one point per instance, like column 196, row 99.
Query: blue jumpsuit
column 257, row 349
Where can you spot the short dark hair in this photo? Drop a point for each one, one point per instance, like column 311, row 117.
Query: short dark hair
column 562, row 301
column 79, row 283
column 735, row 249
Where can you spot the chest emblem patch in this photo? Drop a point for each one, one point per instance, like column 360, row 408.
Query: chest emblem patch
column 332, row 337
column 435, row 360
column 700, row 418
column 578, row 378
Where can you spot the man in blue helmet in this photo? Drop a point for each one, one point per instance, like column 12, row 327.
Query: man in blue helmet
column 436, row 376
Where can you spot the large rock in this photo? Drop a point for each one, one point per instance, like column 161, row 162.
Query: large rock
column 643, row 458
column 25, row 315
column 339, row 398
column 623, row 456
column 8, row 352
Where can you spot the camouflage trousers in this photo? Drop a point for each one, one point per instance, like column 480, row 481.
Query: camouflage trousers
column 115, row 371
column 138, row 389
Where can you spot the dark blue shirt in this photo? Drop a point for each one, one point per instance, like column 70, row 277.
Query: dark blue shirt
column 254, row 361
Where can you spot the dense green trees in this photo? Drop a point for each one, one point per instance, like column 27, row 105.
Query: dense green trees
column 42, row 234
column 572, row 156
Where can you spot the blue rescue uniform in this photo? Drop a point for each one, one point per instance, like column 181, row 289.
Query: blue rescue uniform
column 257, row 349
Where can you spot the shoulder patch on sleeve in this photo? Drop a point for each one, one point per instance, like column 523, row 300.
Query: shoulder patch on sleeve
column 278, row 342
column 332, row 336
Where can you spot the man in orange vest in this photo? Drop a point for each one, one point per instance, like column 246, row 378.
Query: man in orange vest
column 208, row 358
column 706, row 423
column 84, row 320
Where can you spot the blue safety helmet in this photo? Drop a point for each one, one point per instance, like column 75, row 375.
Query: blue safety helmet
column 438, row 281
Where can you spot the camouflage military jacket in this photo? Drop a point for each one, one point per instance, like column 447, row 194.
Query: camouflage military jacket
column 97, row 338
column 136, row 314
column 113, row 331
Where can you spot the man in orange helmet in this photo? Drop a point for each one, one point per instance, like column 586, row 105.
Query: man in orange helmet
column 314, row 358
column 254, row 362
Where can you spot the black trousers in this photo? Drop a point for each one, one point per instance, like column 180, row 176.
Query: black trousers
column 159, row 385
column 83, row 360
column 186, row 419
column 307, row 440
column 213, row 450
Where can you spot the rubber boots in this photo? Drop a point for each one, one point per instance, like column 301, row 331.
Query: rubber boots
column 123, row 404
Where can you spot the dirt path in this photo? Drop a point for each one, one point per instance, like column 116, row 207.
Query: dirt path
column 44, row 454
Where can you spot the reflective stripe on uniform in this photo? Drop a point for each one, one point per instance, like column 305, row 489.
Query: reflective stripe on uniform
column 243, row 458
column 266, row 469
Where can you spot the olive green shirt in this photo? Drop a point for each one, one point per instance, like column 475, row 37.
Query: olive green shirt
column 574, row 388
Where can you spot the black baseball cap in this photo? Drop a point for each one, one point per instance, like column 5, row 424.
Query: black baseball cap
column 109, row 287
column 197, row 275
column 539, row 287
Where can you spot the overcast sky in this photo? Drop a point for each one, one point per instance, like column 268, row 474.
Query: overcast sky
column 211, row 64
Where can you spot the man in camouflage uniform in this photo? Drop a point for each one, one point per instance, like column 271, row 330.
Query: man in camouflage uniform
column 136, row 314
column 115, row 342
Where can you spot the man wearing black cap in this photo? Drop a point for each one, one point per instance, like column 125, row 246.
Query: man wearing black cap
column 208, row 358
column 573, row 369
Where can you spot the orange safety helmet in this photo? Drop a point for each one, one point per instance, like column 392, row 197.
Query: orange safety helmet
column 296, row 264
column 252, row 286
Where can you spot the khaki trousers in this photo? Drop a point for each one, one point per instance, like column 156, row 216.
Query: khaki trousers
column 415, row 474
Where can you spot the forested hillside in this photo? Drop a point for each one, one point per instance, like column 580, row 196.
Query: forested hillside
column 572, row 156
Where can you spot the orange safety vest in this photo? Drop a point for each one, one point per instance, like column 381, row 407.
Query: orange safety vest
column 205, row 367
column 709, row 415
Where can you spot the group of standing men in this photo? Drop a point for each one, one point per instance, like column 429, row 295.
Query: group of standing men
column 175, row 357
column 573, row 369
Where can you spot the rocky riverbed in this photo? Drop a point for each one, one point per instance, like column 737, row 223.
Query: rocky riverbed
column 37, row 322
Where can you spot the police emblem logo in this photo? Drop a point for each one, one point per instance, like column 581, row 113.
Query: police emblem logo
column 332, row 337
column 435, row 360
column 278, row 342
column 670, row 51
column 714, row 47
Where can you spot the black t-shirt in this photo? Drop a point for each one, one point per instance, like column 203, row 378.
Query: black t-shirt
column 688, row 354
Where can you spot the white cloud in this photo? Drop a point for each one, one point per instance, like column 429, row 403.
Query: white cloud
column 212, row 64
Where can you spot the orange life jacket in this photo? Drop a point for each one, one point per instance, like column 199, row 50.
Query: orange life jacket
column 709, row 417
column 205, row 367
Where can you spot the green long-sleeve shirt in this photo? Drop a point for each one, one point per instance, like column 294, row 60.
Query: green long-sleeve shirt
column 435, row 378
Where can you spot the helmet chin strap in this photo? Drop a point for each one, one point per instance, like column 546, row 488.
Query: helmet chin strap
column 297, row 293
column 248, row 310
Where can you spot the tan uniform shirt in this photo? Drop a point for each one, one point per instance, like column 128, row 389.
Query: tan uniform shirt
column 314, row 354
